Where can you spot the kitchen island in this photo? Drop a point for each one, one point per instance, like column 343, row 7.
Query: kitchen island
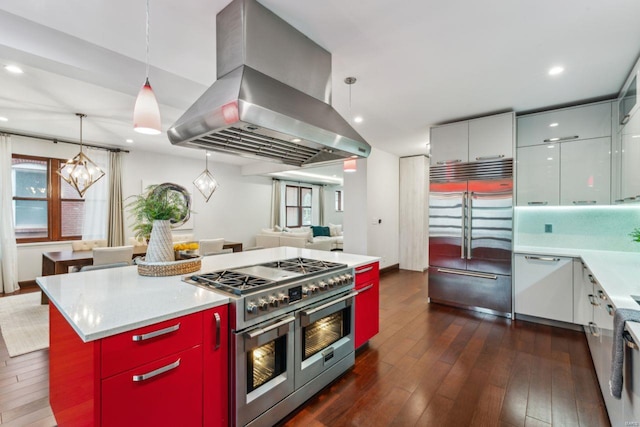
column 98, row 317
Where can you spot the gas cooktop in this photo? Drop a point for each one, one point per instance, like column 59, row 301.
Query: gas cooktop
column 244, row 280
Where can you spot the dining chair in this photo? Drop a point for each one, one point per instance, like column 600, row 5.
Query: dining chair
column 87, row 245
column 103, row 266
column 102, row 256
column 211, row 247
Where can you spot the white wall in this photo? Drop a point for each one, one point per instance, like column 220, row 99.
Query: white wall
column 371, row 194
column 331, row 216
column 238, row 209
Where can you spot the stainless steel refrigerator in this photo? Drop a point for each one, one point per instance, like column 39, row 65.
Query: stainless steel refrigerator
column 470, row 235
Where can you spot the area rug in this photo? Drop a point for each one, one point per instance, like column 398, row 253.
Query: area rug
column 24, row 323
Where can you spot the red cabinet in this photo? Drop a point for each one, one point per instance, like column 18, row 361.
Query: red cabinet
column 216, row 366
column 367, row 283
column 167, row 374
column 165, row 392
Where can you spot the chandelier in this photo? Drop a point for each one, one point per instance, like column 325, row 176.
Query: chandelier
column 80, row 171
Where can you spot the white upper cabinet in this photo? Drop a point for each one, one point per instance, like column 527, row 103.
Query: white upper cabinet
column 491, row 138
column 566, row 124
column 630, row 161
column 450, row 143
column 485, row 138
column 585, row 172
column 538, row 171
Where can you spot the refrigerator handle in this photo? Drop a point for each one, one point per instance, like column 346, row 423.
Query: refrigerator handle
column 469, row 218
column 463, row 215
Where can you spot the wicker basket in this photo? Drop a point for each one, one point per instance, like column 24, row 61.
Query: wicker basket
column 174, row 268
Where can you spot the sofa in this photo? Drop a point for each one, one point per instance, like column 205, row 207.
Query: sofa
column 303, row 237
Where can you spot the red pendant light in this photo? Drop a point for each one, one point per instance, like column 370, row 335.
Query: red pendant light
column 146, row 112
column 350, row 166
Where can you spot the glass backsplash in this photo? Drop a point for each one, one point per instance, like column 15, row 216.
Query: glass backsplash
column 586, row 227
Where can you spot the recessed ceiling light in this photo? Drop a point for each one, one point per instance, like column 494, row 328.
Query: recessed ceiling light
column 295, row 140
column 13, row 69
column 3, row 119
column 552, row 125
column 550, row 146
column 208, row 154
column 357, row 119
column 549, row 158
column 554, row 71
column 129, row 141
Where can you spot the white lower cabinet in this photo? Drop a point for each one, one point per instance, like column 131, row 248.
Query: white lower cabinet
column 631, row 389
column 600, row 339
column 544, row 287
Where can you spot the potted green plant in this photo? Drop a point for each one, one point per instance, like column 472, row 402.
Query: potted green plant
column 635, row 234
column 160, row 208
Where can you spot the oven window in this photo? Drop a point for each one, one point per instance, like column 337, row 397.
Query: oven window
column 324, row 332
column 266, row 362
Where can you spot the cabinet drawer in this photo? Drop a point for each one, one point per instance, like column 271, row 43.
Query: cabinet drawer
column 134, row 348
column 167, row 392
column 584, row 122
column 366, row 273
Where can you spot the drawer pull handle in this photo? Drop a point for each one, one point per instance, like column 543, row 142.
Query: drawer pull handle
column 156, row 333
column 364, row 270
column 563, row 138
column 216, row 317
column 148, row 375
column 594, row 329
column 610, row 310
column 592, row 300
column 497, row 156
column 542, row 258
column 366, row 288
column 446, row 162
column 602, row 295
column 584, row 202
column 625, row 119
column 537, row 203
column 628, row 340
column 468, row 273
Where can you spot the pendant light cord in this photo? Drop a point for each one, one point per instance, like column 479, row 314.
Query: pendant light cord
column 81, row 115
column 147, row 33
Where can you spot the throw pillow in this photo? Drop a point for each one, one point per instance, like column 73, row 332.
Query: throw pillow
column 335, row 229
column 320, row 231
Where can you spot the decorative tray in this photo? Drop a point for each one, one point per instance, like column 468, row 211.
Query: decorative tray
column 172, row 268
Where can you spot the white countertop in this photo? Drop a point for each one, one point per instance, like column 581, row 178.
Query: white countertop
column 102, row 303
column 617, row 272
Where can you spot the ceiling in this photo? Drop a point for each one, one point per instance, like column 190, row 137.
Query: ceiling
column 424, row 63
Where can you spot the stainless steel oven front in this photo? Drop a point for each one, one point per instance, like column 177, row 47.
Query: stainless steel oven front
column 264, row 367
column 324, row 336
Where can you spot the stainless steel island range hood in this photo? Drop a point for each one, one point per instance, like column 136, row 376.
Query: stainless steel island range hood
column 272, row 98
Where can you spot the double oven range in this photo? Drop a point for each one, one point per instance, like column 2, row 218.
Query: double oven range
column 292, row 333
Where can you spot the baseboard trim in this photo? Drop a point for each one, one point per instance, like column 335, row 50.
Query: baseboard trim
column 549, row 322
column 390, row 268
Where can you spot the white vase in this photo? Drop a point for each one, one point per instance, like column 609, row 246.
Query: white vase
column 160, row 247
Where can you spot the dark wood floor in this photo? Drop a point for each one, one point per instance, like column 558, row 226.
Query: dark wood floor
column 430, row 365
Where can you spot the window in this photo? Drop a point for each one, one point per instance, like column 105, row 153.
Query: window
column 339, row 201
column 45, row 207
column 298, row 206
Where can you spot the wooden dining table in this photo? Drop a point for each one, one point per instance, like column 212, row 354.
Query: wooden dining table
column 58, row 262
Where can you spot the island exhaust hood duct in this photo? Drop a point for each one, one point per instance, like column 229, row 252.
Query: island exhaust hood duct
column 272, row 98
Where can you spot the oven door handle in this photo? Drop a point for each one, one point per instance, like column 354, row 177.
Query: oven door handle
column 257, row 332
column 329, row 304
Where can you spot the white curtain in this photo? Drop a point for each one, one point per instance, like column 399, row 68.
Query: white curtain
column 276, row 200
column 8, row 247
column 321, row 204
column 96, row 199
column 116, row 221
